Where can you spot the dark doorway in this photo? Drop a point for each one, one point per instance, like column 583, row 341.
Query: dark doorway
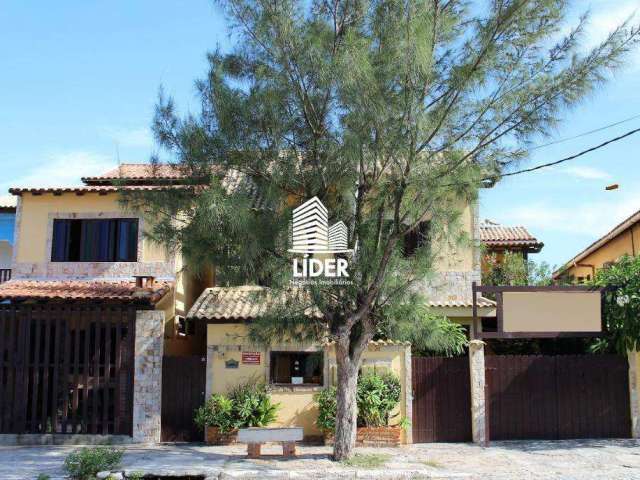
column 183, row 390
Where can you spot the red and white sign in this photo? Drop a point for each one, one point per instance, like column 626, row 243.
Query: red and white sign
column 251, row 358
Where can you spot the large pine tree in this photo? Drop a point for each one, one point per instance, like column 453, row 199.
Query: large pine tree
column 393, row 113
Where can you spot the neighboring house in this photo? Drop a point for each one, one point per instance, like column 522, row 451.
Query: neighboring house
column 623, row 239
column 498, row 239
column 136, row 339
column 7, row 220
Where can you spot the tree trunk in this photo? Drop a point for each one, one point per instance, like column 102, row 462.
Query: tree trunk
column 346, row 411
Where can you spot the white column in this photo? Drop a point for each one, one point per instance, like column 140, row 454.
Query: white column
column 478, row 399
column 634, row 399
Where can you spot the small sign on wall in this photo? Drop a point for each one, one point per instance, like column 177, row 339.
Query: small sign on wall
column 231, row 363
column 251, row 358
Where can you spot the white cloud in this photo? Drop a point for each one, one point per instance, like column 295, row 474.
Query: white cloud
column 62, row 170
column 592, row 219
column 605, row 17
column 130, row 137
column 587, row 173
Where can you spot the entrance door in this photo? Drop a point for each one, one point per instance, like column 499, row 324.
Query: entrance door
column 183, row 390
column 441, row 399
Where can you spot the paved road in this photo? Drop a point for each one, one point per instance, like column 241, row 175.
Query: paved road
column 533, row 460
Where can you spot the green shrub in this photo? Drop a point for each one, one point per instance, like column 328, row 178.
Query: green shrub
column 247, row 405
column 327, row 406
column 377, row 395
column 216, row 412
column 43, row 476
column 85, row 463
column 252, row 406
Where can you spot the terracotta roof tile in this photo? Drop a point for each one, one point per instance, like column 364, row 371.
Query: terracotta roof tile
column 247, row 302
column 140, row 171
column 493, row 234
column 83, row 290
column 104, row 189
column 236, row 303
column 467, row 303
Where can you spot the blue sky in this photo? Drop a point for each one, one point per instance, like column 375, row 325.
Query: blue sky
column 79, row 81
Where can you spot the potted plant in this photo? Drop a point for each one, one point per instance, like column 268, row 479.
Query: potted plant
column 377, row 396
column 215, row 417
column 247, row 405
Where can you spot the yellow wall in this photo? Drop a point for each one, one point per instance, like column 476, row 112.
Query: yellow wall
column 457, row 256
column 297, row 406
column 34, row 222
column 33, row 249
column 628, row 242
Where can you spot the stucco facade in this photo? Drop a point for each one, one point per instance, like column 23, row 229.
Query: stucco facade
column 624, row 239
column 226, row 369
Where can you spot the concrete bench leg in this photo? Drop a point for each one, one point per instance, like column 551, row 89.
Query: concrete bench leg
column 289, row 449
column 253, row 450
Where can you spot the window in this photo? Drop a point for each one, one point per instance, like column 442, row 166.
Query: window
column 84, row 240
column 186, row 327
column 296, row 368
column 416, row 239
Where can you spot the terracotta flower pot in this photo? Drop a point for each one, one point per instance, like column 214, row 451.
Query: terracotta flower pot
column 373, row 437
column 215, row 437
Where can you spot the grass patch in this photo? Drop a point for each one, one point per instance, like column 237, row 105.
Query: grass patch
column 367, row 460
column 432, row 463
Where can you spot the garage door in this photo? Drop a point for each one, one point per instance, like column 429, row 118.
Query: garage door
column 558, row 397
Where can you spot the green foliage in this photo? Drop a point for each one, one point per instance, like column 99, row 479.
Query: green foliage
column 85, row 463
column 247, row 405
column 428, row 332
column 391, row 113
column 327, row 407
column 511, row 269
column 252, row 406
column 135, row 476
column 43, row 476
column 377, row 395
column 622, row 305
column 216, row 412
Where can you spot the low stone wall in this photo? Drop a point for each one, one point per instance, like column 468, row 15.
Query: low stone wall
column 147, row 382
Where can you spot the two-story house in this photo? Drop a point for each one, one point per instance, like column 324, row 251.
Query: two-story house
column 105, row 333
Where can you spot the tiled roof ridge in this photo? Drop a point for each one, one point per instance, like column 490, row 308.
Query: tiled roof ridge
column 89, row 289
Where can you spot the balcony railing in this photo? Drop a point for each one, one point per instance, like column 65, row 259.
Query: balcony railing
column 5, row 274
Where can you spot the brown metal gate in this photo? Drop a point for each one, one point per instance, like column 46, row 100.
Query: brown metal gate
column 183, row 390
column 66, row 368
column 441, row 400
column 557, row 397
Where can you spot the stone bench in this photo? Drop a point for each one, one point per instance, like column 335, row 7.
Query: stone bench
column 255, row 437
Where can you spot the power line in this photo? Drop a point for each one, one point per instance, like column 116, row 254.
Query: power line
column 562, row 160
column 561, row 140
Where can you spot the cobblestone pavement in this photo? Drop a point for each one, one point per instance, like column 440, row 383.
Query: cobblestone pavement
column 549, row 460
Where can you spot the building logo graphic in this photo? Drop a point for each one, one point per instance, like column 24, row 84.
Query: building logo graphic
column 311, row 231
column 312, row 236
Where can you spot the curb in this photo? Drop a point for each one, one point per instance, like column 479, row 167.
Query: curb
column 246, row 474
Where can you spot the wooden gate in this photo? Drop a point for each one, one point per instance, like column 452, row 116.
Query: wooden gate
column 183, row 390
column 556, row 397
column 66, row 368
column 441, row 400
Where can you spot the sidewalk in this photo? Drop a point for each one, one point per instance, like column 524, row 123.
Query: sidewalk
column 561, row 460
